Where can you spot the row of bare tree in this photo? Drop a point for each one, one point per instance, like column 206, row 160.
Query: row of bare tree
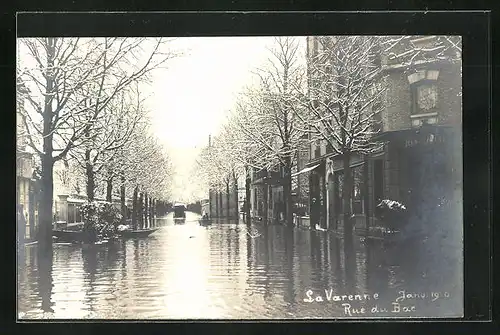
column 331, row 93
column 85, row 109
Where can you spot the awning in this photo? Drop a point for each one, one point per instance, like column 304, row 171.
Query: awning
column 307, row 169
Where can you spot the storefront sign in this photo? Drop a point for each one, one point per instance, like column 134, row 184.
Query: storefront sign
column 429, row 139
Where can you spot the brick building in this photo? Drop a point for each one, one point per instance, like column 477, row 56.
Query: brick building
column 420, row 161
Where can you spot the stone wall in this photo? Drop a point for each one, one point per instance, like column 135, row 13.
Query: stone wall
column 396, row 114
column 450, row 95
column 398, row 98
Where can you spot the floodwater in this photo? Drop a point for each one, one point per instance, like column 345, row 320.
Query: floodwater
column 229, row 271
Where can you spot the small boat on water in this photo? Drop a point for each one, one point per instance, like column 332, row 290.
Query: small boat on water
column 127, row 233
column 205, row 222
column 103, row 242
column 68, row 235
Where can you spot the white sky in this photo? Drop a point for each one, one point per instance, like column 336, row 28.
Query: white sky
column 192, row 96
column 197, row 89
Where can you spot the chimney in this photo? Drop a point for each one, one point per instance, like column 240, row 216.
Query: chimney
column 209, row 140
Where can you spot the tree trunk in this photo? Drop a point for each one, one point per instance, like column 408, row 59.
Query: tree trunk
column 47, row 178
column 141, row 210
column 109, row 189
column 236, row 200
column 45, row 211
column 287, row 196
column 248, row 195
column 216, row 196
column 145, row 213
column 346, row 196
column 367, row 207
column 266, row 204
column 221, row 208
column 135, row 208
column 152, row 212
column 147, row 205
column 228, row 200
column 123, row 205
column 89, row 173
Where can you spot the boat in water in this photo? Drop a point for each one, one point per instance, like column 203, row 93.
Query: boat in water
column 129, row 233
column 101, row 237
column 96, row 244
column 205, row 221
column 68, row 236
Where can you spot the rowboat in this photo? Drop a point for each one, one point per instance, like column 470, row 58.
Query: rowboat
column 205, row 222
column 68, row 235
column 136, row 233
column 87, row 246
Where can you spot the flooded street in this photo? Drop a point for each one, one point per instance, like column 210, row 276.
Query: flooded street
column 229, row 271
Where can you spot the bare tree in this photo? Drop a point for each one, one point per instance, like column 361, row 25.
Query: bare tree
column 145, row 168
column 59, row 72
column 269, row 118
column 218, row 168
column 344, row 101
column 105, row 137
column 409, row 50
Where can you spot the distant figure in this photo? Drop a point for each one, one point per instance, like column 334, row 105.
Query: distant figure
column 205, row 216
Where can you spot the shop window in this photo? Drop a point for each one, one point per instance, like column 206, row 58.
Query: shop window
column 358, row 190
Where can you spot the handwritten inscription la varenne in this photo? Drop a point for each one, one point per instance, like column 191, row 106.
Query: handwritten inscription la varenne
column 403, row 304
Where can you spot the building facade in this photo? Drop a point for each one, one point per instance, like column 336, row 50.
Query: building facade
column 267, row 201
column 420, row 161
column 68, row 196
column 223, row 204
column 27, row 220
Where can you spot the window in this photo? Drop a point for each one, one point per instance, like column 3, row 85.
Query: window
column 71, row 213
column 358, row 190
column 339, row 182
column 424, row 92
column 329, row 148
column 426, row 97
column 78, row 215
column 317, row 149
column 377, row 118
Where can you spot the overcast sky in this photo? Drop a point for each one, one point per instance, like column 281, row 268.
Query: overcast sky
column 190, row 98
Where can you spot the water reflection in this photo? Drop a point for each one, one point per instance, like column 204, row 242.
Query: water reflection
column 44, row 265
column 224, row 270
